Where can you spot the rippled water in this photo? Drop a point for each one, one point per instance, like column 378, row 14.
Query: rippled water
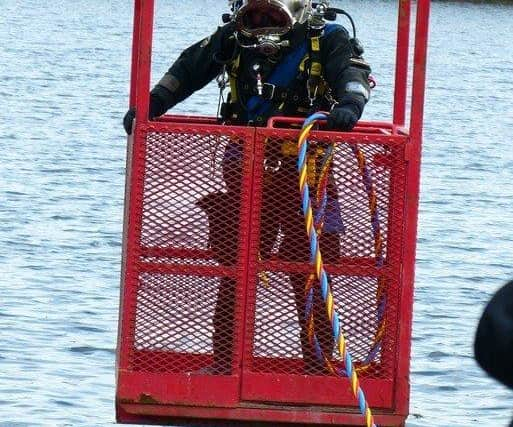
column 64, row 78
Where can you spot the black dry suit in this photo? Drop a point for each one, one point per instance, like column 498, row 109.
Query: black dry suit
column 317, row 70
column 343, row 77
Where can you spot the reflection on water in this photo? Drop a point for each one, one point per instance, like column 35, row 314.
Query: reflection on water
column 64, row 84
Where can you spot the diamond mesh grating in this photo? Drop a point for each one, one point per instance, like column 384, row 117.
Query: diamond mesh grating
column 189, row 220
column 358, row 214
column 189, row 302
column 174, row 314
column 180, row 170
column 277, row 343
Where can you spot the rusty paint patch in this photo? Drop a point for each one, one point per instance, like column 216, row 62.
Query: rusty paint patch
column 148, row 399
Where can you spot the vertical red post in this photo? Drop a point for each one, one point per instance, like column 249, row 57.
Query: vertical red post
column 135, row 54
column 401, row 61
column 413, row 156
column 419, row 71
column 141, row 58
column 145, row 35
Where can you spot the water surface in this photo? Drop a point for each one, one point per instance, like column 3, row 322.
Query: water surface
column 64, row 87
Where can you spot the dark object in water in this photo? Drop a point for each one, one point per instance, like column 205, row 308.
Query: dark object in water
column 494, row 337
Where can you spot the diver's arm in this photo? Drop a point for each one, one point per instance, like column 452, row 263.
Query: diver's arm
column 195, row 67
column 347, row 74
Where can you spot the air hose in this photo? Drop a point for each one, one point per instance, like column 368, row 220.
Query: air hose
column 313, row 225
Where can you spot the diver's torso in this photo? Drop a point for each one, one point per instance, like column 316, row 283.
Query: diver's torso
column 250, row 73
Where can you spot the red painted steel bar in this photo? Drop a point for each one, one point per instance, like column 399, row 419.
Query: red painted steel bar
column 246, row 260
column 358, row 135
column 124, row 339
column 252, row 279
column 419, row 71
column 143, row 14
column 412, row 198
column 401, row 64
column 145, row 32
column 135, row 54
column 268, row 416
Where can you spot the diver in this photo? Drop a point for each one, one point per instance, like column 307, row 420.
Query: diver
column 282, row 59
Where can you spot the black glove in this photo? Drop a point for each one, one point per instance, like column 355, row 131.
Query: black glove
column 344, row 117
column 128, row 120
column 161, row 99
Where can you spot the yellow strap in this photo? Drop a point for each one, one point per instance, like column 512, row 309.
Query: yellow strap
column 233, row 73
column 316, row 68
column 302, row 64
column 316, row 43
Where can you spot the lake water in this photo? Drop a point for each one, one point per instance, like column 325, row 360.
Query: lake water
column 64, row 79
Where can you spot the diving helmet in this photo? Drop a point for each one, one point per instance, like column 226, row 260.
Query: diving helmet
column 268, row 18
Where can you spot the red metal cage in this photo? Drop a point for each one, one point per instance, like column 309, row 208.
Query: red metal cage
column 171, row 278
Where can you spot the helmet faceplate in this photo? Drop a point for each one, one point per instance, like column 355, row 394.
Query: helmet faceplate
column 256, row 18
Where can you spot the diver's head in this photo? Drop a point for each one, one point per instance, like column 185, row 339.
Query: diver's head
column 265, row 22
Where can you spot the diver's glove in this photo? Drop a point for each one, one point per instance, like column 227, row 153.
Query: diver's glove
column 346, row 113
column 128, row 120
column 343, row 117
column 160, row 101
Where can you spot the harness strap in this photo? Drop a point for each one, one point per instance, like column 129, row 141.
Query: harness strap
column 271, row 92
column 315, row 69
column 277, row 88
column 234, row 71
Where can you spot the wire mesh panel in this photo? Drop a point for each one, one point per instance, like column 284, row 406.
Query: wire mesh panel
column 173, row 322
column 357, row 191
column 219, row 289
column 182, row 310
